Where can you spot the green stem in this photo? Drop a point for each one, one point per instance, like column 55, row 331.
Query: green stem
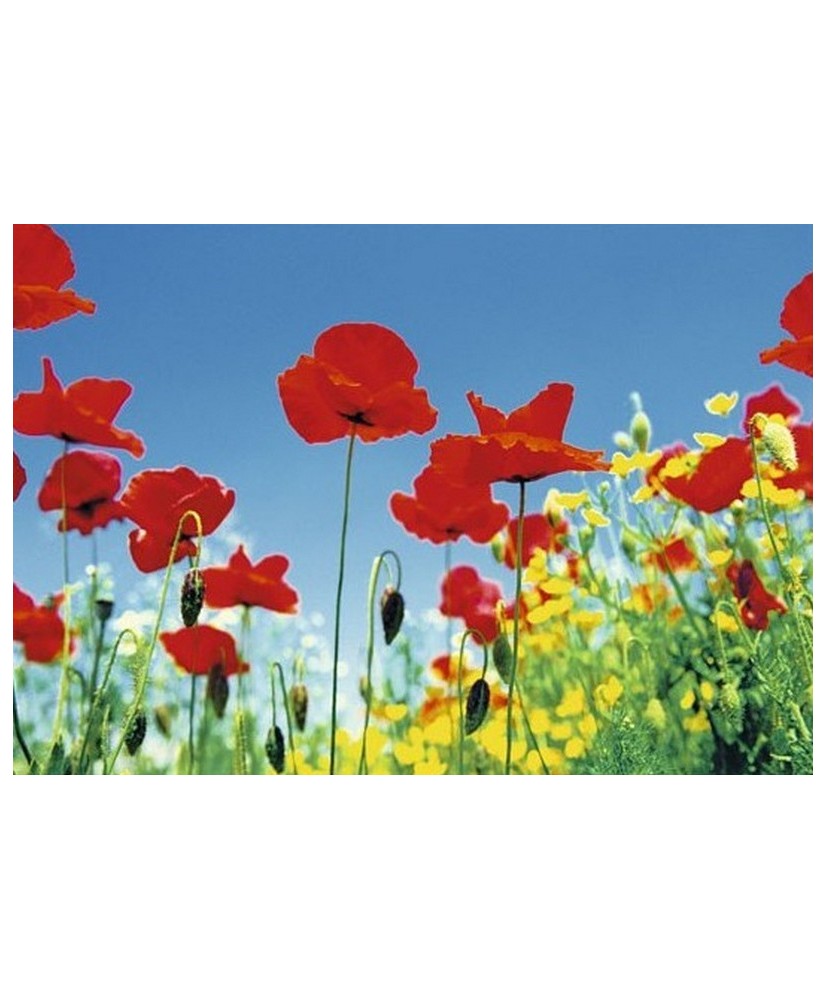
column 339, row 588
column 378, row 562
column 18, row 730
column 516, row 616
column 63, row 691
column 530, row 730
column 98, row 697
column 137, row 701
column 192, row 725
column 460, row 667
column 286, row 707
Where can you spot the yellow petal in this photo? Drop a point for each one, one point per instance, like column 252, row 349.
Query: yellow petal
column 439, row 731
column 687, row 700
column 556, row 586
column 595, row 518
column 393, row 713
column 622, row 464
column 643, row 493
column 574, row 748
column 721, row 404
column 708, row 441
column 719, row 557
column 570, row 501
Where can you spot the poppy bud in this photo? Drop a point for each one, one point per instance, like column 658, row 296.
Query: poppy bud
column 623, row 440
column 135, row 734
column 274, row 748
column 778, row 440
column 478, row 700
column 103, row 609
column 364, row 687
column 298, row 700
column 217, row 689
column 587, row 538
column 641, row 430
column 163, row 719
column 628, row 544
column 192, row 596
column 502, row 656
column 497, row 547
column 392, row 613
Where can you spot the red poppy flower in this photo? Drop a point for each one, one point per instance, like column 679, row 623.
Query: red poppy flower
column 202, row 648
column 39, row 627
column 796, row 319
column 359, row 380
column 652, row 476
column 261, row 585
column 673, row 554
column 467, row 596
column 517, row 447
column 19, row 476
column 537, row 533
column 441, row 510
column 83, row 412
column 770, row 401
column 92, row 479
column 42, row 264
column 156, row 500
column 716, row 480
column 755, row 601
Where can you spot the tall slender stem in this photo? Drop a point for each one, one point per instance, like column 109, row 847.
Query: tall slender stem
column 192, row 725
column 18, row 730
column 516, row 614
column 63, row 691
column 339, row 588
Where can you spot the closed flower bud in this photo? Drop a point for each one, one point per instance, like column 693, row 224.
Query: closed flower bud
column 623, row 440
column 103, row 609
column 478, row 700
column 392, row 613
column 192, row 596
column 502, row 656
column 628, row 544
column 497, row 547
column 299, row 700
column 731, row 705
column 218, row 690
column 586, row 538
column 135, row 734
column 641, row 430
column 274, row 748
column 778, row 441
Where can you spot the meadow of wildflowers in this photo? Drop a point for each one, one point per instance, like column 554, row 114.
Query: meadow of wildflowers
column 659, row 620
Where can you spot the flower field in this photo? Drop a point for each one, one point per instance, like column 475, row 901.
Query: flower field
column 658, row 619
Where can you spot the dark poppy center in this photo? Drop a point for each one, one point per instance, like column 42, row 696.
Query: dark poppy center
column 357, row 418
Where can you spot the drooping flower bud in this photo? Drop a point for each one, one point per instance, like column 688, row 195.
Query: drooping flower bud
column 135, row 734
column 392, row 613
column 731, row 705
column 628, row 544
column 497, row 547
column 192, row 596
column 478, row 700
column 299, row 700
column 274, row 748
column 502, row 656
column 217, row 689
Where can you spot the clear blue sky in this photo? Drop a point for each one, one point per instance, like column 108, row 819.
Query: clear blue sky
column 201, row 319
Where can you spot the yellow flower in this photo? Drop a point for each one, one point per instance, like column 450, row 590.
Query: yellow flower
column 719, row 557
column 595, row 518
column 431, row 764
column 771, row 493
column 556, row 586
column 393, row 713
column 697, row 723
column 621, row 464
column 560, row 730
column 707, row 692
column 550, row 609
column 439, row 731
column 540, row 721
column 725, row 622
column 570, row 501
column 687, row 699
column 642, row 494
column 587, row 727
column 607, row 694
column 655, row 714
column 721, row 404
column 410, row 751
column 573, row 702
column 708, row 441
column 575, row 748
column 586, row 620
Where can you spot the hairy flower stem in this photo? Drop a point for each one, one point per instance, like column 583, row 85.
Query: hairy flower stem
column 18, row 731
column 192, row 725
column 378, row 562
column 63, row 691
column 516, row 616
column 98, row 698
column 137, row 701
column 339, row 588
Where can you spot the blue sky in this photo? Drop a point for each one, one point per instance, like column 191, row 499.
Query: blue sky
column 201, row 319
